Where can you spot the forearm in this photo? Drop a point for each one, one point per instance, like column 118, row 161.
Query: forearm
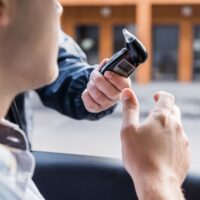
column 161, row 193
column 159, row 189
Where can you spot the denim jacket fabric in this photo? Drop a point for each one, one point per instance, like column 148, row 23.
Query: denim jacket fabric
column 64, row 95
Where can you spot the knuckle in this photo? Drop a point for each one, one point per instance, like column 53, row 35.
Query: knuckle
column 92, row 75
column 159, row 113
column 126, row 128
column 178, row 127
column 111, row 93
column 186, row 140
column 91, row 107
column 114, row 92
column 83, row 95
column 107, row 104
column 93, row 90
column 121, row 83
column 162, row 117
column 97, row 78
column 89, row 104
column 97, row 94
column 114, row 97
column 90, row 86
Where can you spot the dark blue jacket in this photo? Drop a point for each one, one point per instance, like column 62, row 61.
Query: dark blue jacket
column 64, row 95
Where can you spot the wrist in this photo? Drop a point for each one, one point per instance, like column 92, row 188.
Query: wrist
column 158, row 188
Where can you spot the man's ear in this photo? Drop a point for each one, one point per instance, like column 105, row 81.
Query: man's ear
column 3, row 13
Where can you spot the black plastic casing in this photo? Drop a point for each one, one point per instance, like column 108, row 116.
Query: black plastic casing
column 126, row 61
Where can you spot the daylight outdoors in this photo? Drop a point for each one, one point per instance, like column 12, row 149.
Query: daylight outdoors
column 170, row 30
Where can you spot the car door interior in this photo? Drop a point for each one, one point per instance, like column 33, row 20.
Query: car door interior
column 76, row 177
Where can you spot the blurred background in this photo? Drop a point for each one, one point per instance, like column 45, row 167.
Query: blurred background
column 170, row 29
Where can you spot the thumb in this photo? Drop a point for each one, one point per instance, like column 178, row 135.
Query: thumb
column 130, row 108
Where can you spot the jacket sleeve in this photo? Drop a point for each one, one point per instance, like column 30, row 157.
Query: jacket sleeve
column 64, row 95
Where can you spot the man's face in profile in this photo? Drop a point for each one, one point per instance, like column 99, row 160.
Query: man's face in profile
column 29, row 40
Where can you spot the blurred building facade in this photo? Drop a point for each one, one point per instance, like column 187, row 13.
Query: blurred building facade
column 170, row 29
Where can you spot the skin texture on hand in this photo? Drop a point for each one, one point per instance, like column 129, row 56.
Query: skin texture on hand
column 155, row 153
column 102, row 92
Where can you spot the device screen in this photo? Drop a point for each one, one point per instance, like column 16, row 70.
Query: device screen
column 124, row 68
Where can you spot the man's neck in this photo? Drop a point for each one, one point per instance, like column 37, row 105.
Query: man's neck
column 5, row 101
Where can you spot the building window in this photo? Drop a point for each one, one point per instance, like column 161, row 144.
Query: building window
column 88, row 39
column 196, row 53
column 118, row 39
column 165, row 52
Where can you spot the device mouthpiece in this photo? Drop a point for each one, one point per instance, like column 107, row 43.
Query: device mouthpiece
column 128, row 36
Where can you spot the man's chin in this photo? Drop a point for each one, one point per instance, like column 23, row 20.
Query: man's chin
column 53, row 76
column 47, row 79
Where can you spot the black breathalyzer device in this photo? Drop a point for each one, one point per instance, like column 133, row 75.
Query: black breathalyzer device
column 126, row 61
